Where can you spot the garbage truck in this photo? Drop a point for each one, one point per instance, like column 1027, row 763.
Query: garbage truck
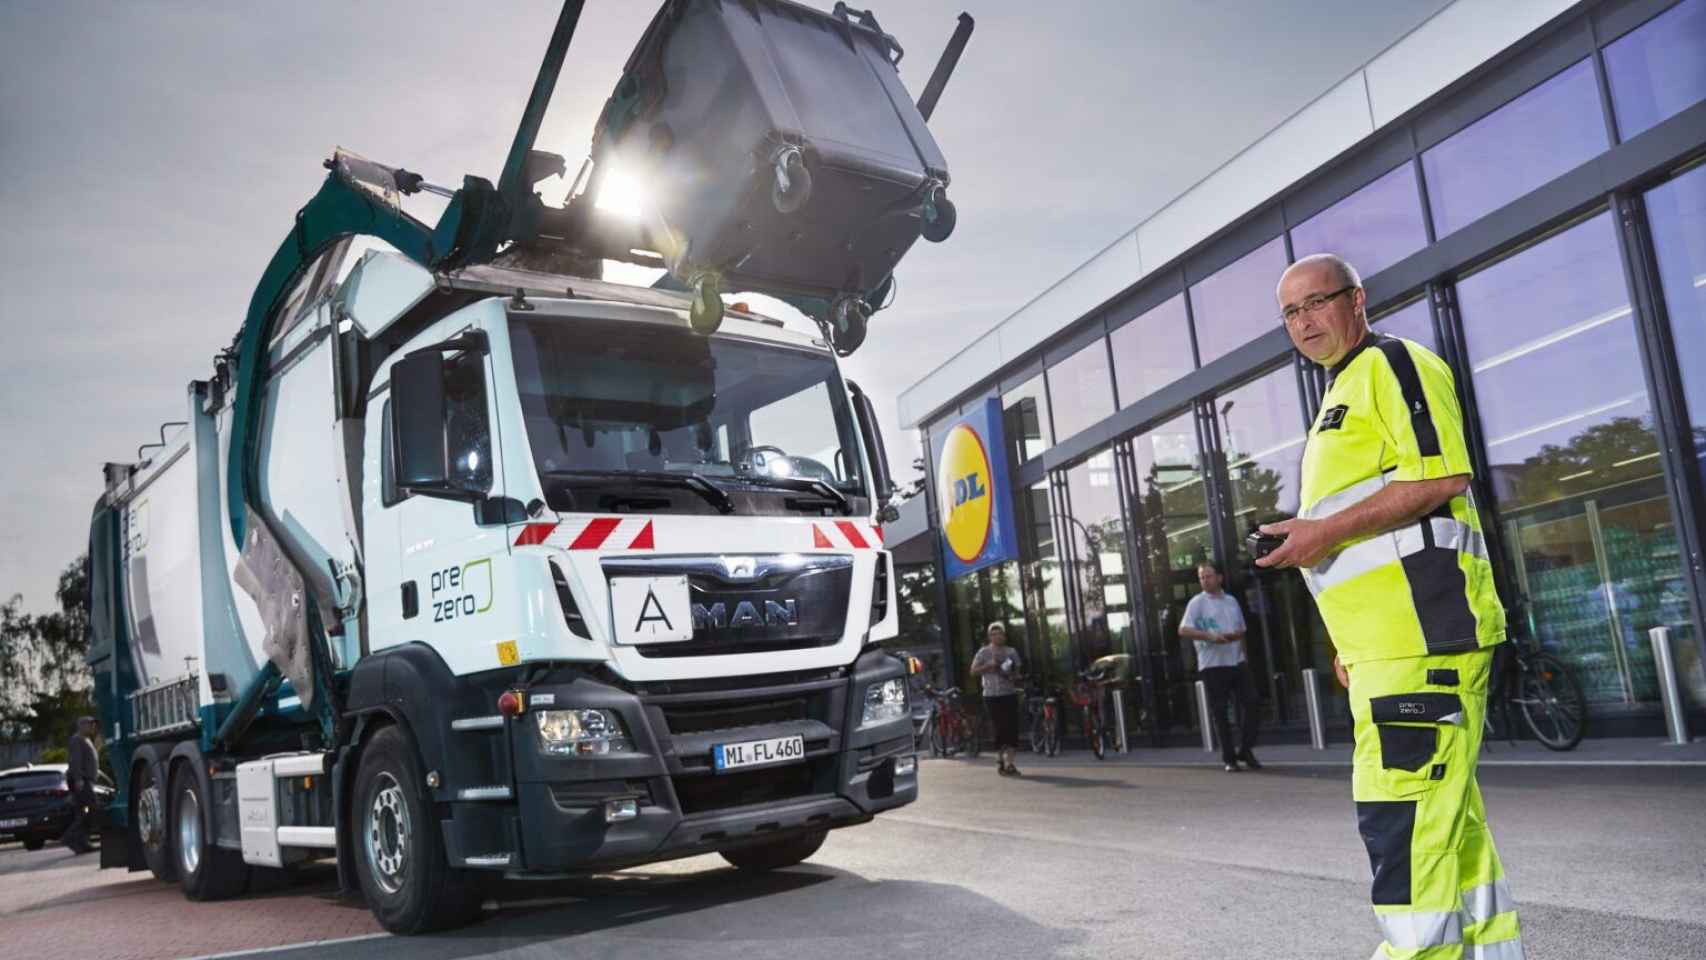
column 463, row 565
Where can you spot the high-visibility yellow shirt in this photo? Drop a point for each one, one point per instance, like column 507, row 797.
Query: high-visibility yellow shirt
column 1391, row 414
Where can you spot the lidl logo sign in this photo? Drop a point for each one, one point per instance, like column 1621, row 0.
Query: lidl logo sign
column 974, row 507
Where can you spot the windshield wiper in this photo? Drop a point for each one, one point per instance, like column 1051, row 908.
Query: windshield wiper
column 805, row 485
column 656, row 478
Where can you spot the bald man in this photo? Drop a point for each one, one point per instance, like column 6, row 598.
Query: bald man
column 1389, row 540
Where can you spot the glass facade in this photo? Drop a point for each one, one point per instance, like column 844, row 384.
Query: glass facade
column 1658, row 70
column 1168, row 504
column 1546, row 132
column 1413, row 321
column 1080, row 389
column 1575, row 471
column 1152, row 351
column 1235, row 304
column 1097, row 532
column 1026, row 415
column 1373, row 228
column 1554, row 358
column 1676, row 212
column 1262, row 433
column 1045, row 593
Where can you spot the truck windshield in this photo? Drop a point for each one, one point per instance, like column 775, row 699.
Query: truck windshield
column 632, row 415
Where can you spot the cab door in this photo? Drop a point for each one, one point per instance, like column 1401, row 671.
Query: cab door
column 452, row 547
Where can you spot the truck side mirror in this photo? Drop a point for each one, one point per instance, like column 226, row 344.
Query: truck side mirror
column 420, row 410
column 872, row 435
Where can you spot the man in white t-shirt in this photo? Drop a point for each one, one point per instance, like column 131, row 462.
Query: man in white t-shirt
column 1214, row 621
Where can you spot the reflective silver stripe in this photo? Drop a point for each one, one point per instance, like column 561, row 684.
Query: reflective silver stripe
column 1356, row 560
column 1486, row 901
column 1457, row 535
column 1349, row 497
column 1376, row 552
column 493, row 722
column 1497, row 950
column 1413, row 931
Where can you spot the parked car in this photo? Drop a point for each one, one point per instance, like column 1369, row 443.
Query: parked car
column 36, row 804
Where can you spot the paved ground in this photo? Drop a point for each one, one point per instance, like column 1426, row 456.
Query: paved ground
column 1077, row 859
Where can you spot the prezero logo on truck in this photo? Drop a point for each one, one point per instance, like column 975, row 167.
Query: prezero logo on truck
column 461, row 591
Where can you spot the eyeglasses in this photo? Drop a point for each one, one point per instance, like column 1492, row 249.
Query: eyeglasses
column 1312, row 304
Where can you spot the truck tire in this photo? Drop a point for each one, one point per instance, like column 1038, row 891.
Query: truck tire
column 399, row 852
column 777, row 853
column 206, row 871
column 148, row 819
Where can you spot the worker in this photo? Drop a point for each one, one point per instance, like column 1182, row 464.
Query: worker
column 83, row 766
column 1389, row 540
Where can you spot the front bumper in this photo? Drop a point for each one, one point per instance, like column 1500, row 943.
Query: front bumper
column 555, row 820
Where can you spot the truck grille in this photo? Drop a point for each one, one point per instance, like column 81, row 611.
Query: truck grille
column 752, row 604
column 707, row 792
column 701, row 719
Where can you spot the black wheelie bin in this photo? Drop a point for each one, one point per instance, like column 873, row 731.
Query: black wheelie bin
column 779, row 153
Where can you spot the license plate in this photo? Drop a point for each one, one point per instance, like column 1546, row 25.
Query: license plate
column 25, row 821
column 756, row 753
column 651, row 609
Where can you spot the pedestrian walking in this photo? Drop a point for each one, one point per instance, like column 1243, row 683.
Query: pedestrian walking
column 1214, row 622
column 998, row 666
column 1389, row 540
column 83, row 763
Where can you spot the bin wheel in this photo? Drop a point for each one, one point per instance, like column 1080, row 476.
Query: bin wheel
column 850, row 320
column 791, row 185
column 706, row 314
column 940, row 216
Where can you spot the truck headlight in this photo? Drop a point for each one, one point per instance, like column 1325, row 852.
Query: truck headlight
column 581, row 733
column 884, row 702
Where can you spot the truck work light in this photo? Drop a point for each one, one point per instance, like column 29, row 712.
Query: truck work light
column 581, row 733
column 884, row 702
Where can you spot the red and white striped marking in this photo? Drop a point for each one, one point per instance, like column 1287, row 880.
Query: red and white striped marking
column 594, row 533
column 841, row 534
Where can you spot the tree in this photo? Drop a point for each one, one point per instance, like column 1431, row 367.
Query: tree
column 44, row 679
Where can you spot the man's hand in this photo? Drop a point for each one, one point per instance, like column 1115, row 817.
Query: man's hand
column 1306, row 543
column 1340, row 672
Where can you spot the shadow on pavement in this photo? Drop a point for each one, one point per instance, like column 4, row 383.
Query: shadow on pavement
column 1054, row 780
column 723, row 913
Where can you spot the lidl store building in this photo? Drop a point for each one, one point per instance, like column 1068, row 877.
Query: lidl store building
column 1523, row 188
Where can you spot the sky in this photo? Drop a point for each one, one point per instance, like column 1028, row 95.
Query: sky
column 152, row 156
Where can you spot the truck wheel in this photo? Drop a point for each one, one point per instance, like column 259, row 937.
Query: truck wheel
column 149, row 822
column 410, row 886
column 34, row 843
column 776, row 854
column 206, row 871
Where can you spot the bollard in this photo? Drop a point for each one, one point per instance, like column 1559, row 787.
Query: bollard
column 1676, row 721
column 1204, row 719
column 1119, row 720
column 1312, row 705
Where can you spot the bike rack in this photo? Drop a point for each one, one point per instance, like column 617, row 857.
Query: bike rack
column 1676, row 719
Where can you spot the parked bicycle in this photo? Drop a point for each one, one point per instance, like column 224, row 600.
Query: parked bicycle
column 952, row 727
column 1087, row 693
column 1043, row 720
column 1544, row 689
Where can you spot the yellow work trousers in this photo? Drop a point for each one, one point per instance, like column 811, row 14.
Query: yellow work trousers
column 1439, row 890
